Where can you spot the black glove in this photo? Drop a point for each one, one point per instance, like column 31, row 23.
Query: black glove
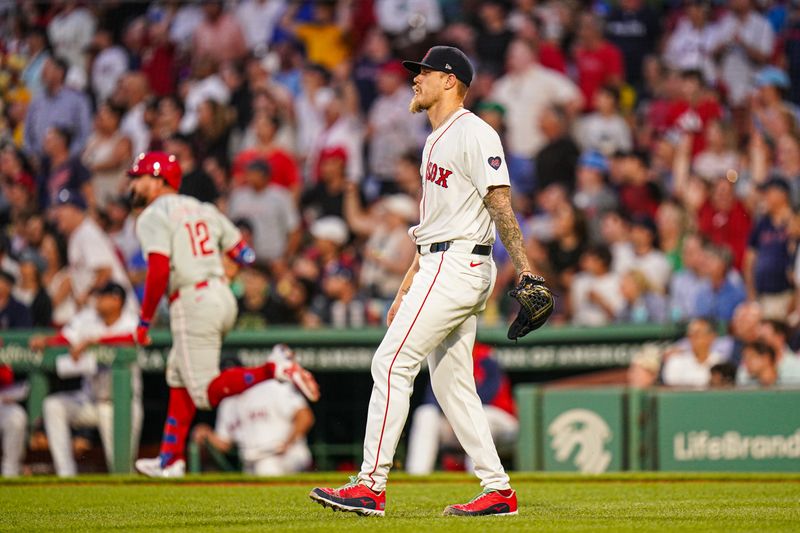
column 536, row 305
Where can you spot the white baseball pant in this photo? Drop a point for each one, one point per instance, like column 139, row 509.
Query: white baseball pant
column 296, row 459
column 199, row 319
column 430, row 431
column 438, row 320
column 64, row 410
column 13, row 420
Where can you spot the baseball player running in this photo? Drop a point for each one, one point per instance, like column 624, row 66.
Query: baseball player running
column 466, row 197
column 183, row 241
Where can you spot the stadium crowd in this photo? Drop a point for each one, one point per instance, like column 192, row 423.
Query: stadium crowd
column 653, row 147
column 653, row 150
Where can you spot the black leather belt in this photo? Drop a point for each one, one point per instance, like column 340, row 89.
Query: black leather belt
column 479, row 249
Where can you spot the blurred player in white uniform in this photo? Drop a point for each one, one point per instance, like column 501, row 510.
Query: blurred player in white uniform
column 184, row 241
column 108, row 321
column 465, row 200
column 13, row 422
column 268, row 423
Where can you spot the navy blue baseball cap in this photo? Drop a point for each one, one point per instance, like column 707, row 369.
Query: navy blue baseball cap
column 447, row 59
column 70, row 197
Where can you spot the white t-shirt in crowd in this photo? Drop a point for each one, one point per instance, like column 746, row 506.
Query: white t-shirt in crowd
column 682, row 369
column 587, row 313
column 525, row 96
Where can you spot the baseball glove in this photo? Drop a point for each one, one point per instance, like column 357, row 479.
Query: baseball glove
column 536, row 305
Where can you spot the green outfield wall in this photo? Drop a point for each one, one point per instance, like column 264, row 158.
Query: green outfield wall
column 597, row 430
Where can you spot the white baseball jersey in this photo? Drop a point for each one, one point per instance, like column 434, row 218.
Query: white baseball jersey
column 462, row 158
column 259, row 419
column 191, row 233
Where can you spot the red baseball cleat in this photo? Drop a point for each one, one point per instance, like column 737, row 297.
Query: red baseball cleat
column 353, row 497
column 487, row 503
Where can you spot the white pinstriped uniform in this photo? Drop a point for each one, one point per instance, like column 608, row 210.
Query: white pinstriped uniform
column 437, row 319
column 194, row 235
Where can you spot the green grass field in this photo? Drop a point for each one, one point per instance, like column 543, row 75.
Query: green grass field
column 641, row 502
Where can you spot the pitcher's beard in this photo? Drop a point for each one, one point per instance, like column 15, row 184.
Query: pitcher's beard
column 416, row 106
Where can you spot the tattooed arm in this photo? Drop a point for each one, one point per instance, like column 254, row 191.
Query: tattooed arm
column 498, row 202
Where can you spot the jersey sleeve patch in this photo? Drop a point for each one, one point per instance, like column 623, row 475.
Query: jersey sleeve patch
column 495, row 162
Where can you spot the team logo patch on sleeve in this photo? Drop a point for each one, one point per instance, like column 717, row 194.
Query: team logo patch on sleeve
column 495, row 162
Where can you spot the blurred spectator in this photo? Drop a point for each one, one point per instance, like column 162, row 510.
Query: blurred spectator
column 205, row 84
column 638, row 194
column 56, row 278
column 745, row 328
column 671, row 227
column 212, row 135
column 341, row 127
column 219, row 36
column 526, row 90
column 556, row 161
column 70, row 32
column 724, row 220
column 57, row 106
column 391, row 129
column 285, row 171
column 744, row 41
column 615, row 229
column 271, row 210
column 13, row 314
column 258, row 20
column 430, row 430
column 643, row 303
column 769, row 254
column 389, row 250
column 569, row 242
column 159, row 58
column 339, row 304
column 723, row 375
column 19, row 188
column 605, row 130
column 774, row 333
column 592, row 195
column 37, row 51
column 494, row 36
column 718, row 158
column 91, row 257
column 108, row 320
column 310, row 105
column 61, row 170
column 121, row 228
column 196, row 182
column 648, row 259
column 691, row 44
column 409, row 23
column 689, row 281
column 633, row 27
column 726, row 290
column 262, row 302
column 268, row 423
column 167, row 123
column 30, row 292
column 758, row 359
column 375, row 52
column 324, row 36
column 598, row 62
column 326, row 198
column 694, row 110
column 107, row 155
column 109, row 64
column 692, row 367
column 13, row 422
column 644, row 368
column 595, row 294
column 132, row 93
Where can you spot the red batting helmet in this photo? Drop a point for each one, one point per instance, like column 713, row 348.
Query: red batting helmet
column 158, row 164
